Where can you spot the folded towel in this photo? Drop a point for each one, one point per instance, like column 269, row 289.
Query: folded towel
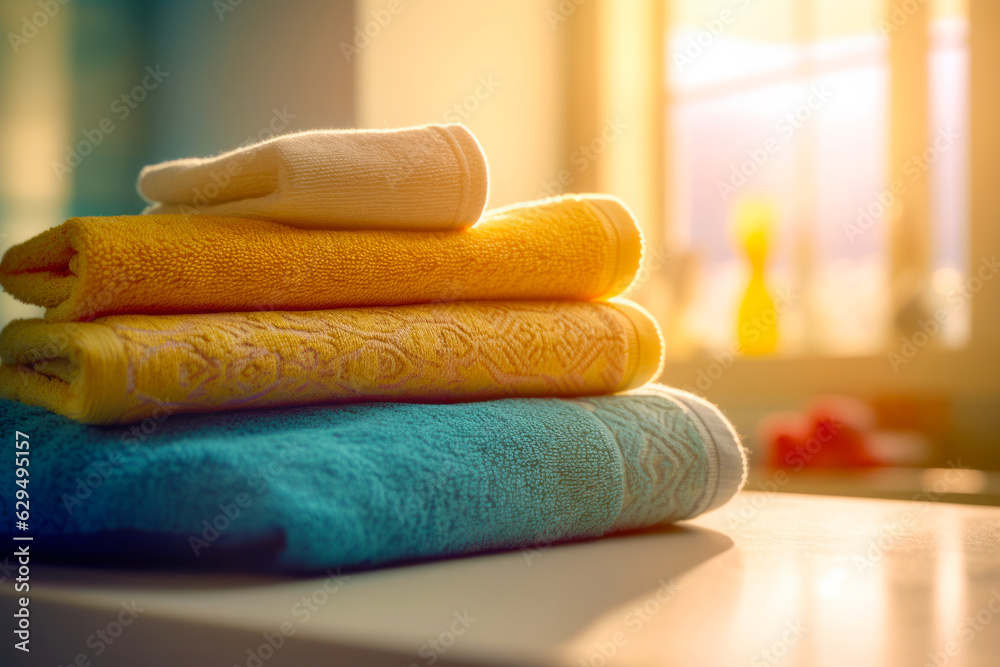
column 580, row 247
column 323, row 487
column 432, row 177
column 126, row 368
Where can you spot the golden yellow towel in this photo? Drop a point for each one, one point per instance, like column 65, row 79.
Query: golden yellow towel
column 128, row 368
column 432, row 177
column 573, row 247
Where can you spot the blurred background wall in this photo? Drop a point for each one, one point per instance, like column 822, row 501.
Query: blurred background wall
column 437, row 61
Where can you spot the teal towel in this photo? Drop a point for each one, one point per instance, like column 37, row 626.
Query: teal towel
column 359, row 485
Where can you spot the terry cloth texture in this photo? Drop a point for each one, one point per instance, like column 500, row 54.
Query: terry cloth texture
column 432, row 177
column 302, row 489
column 126, row 368
column 572, row 247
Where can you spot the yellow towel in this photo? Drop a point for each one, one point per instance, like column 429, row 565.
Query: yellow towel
column 132, row 367
column 573, row 247
column 432, row 177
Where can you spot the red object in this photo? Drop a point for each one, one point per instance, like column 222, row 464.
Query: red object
column 831, row 432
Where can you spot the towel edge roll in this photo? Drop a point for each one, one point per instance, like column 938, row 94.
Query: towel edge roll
column 646, row 362
column 473, row 158
column 729, row 449
column 26, row 342
column 630, row 245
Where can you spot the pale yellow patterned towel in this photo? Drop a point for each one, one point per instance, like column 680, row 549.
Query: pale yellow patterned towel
column 127, row 368
column 432, row 177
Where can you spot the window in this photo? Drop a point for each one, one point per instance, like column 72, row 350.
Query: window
column 903, row 74
column 783, row 107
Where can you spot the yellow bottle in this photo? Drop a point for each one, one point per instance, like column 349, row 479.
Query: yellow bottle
column 757, row 325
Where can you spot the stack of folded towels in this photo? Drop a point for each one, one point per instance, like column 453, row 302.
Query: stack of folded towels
column 384, row 372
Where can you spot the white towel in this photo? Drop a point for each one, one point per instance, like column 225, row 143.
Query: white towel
column 432, row 177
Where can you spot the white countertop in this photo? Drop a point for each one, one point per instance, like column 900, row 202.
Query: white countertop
column 770, row 579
